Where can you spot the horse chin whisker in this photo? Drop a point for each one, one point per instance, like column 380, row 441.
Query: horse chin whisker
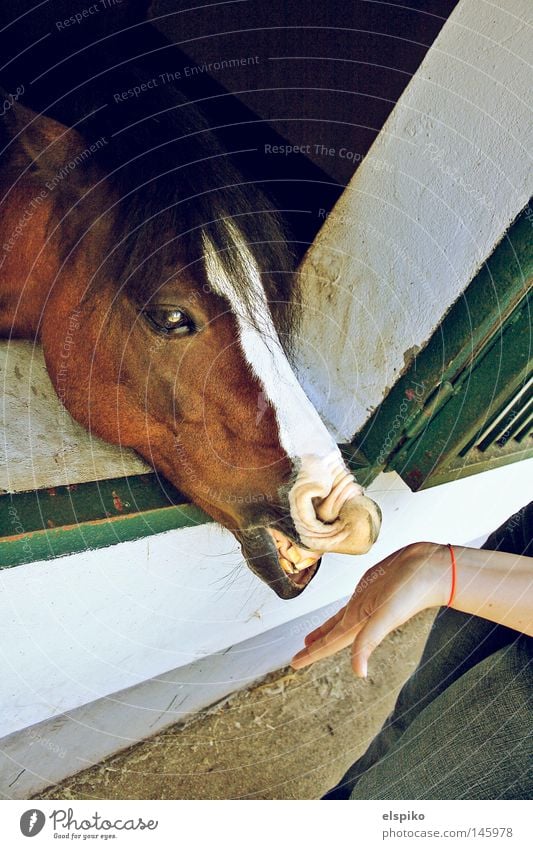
column 222, row 554
column 229, row 579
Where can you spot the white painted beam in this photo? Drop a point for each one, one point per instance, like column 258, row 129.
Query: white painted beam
column 449, row 172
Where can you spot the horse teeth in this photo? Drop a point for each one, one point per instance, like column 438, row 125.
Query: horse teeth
column 287, row 566
column 293, row 555
column 305, row 564
column 291, row 558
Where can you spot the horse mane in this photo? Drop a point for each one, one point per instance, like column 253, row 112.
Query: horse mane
column 175, row 189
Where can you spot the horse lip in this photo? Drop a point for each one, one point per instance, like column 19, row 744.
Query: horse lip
column 261, row 555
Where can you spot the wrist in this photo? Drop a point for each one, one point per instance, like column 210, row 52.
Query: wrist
column 438, row 572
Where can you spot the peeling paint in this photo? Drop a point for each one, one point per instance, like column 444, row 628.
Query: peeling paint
column 410, row 354
column 117, row 502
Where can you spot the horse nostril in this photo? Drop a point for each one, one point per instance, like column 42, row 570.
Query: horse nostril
column 328, row 509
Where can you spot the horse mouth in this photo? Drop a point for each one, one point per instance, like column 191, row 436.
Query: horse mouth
column 299, row 565
column 271, row 555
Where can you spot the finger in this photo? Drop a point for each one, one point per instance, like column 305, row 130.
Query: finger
column 369, row 637
column 325, row 628
column 338, row 638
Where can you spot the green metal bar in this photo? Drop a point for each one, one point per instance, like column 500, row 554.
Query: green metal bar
column 49, row 523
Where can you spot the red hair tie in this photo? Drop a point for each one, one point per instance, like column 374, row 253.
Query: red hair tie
column 454, row 575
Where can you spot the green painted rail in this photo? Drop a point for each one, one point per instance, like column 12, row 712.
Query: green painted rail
column 48, row 523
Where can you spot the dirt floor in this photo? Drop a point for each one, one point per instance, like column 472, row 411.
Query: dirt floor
column 290, row 737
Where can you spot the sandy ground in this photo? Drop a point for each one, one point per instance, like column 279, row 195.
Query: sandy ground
column 290, row 737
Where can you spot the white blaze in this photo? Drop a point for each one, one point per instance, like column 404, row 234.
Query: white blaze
column 302, row 433
column 301, row 430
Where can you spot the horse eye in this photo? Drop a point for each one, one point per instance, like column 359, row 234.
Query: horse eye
column 169, row 320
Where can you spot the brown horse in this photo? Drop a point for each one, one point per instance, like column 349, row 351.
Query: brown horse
column 158, row 284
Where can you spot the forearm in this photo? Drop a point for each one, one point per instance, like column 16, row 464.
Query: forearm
column 492, row 584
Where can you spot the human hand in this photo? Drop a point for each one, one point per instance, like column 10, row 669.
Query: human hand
column 391, row 592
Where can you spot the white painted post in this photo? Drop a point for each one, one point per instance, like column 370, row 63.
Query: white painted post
column 444, row 180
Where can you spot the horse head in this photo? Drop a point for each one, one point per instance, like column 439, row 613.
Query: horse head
column 159, row 284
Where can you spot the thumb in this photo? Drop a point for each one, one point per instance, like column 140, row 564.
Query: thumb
column 369, row 638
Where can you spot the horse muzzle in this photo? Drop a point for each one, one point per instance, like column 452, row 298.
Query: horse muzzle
column 354, row 531
column 328, row 512
column 288, row 567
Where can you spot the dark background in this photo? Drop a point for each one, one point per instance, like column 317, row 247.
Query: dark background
column 325, row 74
